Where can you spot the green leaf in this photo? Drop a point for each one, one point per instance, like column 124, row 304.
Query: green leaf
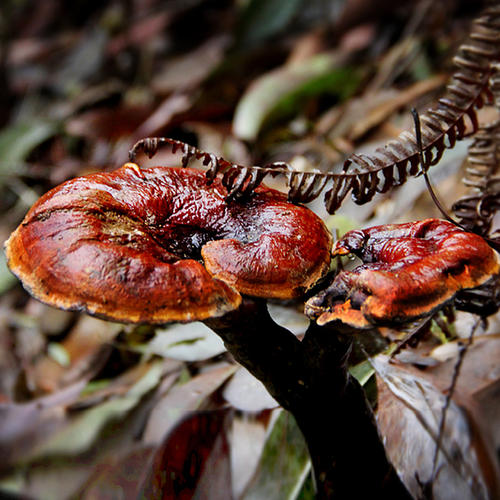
column 284, row 465
column 7, row 279
column 362, row 372
column 59, row 354
column 283, row 91
column 308, row 491
column 94, row 386
column 81, row 433
column 339, row 224
column 17, row 142
column 261, row 19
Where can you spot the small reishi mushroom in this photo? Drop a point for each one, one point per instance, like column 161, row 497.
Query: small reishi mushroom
column 408, row 271
column 129, row 246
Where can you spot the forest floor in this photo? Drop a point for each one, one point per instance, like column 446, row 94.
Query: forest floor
column 85, row 404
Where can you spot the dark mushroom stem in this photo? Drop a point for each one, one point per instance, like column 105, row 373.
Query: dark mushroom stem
column 310, row 379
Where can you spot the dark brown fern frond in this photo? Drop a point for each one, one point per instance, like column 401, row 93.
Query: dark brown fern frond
column 444, row 124
column 477, row 209
column 389, row 166
column 239, row 180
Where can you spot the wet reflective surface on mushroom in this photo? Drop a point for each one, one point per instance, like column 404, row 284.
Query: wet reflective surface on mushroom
column 408, row 271
column 130, row 245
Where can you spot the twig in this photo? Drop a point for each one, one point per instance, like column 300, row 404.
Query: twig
column 456, row 372
column 425, row 167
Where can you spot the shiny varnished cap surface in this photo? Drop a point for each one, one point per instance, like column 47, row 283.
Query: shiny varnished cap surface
column 129, row 246
column 408, row 271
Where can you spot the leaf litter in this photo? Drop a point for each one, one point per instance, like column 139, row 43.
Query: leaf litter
column 84, row 404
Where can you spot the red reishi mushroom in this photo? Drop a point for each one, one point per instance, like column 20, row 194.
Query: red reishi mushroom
column 129, row 246
column 408, row 271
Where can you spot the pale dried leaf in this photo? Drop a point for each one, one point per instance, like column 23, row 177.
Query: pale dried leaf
column 81, row 432
column 248, row 436
column 183, row 399
column 409, row 412
column 246, row 393
column 189, row 342
column 84, row 346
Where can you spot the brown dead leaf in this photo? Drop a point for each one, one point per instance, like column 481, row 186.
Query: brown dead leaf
column 108, row 124
column 31, row 49
column 352, row 120
column 189, row 70
column 193, row 461
column 409, row 411
column 177, row 103
column 23, row 425
column 356, row 12
column 183, row 399
column 478, row 386
column 376, row 114
column 87, row 346
column 50, row 320
column 140, row 32
column 120, row 477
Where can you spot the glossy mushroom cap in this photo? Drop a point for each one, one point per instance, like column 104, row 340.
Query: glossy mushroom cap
column 129, row 246
column 408, row 271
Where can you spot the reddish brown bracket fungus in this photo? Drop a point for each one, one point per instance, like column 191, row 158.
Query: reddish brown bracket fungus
column 408, row 271
column 129, row 246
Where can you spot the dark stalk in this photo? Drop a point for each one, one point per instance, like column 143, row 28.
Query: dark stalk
column 310, row 379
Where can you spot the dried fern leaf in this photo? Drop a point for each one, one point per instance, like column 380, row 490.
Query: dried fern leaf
column 482, row 175
column 364, row 175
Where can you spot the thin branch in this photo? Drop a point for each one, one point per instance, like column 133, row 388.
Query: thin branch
column 425, row 167
column 456, row 372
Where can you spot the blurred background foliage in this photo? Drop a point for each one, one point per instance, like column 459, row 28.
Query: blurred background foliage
column 88, row 408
